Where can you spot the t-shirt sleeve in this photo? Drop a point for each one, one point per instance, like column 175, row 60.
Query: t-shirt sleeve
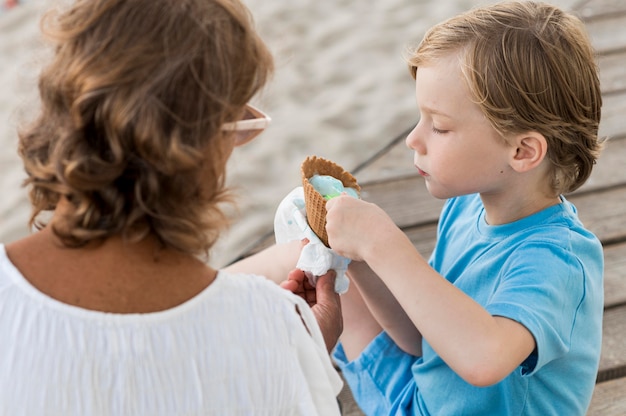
column 542, row 288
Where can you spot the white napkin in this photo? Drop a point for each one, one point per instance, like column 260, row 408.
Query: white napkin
column 315, row 259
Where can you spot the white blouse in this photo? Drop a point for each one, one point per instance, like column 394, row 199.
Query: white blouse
column 237, row 348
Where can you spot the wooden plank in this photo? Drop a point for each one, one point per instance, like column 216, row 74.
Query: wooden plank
column 604, row 213
column 615, row 276
column 613, row 110
column 598, row 9
column 347, row 403
column 612, row 72
column 609, row 399
column 610, row 169
column 406, row 200
column 423, row 238
column 613, row 357
column 607, row 32
column 397, row 162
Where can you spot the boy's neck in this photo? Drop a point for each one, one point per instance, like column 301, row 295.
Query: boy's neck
column 503, row 209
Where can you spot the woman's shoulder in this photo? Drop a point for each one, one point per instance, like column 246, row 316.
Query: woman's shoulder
column 236, row 292
column 257, row 286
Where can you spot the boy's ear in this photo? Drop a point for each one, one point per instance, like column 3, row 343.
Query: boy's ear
column 529, row 150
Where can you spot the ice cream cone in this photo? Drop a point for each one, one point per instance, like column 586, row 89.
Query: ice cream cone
column 314, row 201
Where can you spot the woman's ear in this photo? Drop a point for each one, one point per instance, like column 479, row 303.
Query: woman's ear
column 529, row 150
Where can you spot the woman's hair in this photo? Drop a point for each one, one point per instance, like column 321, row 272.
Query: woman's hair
column 132, row 108
column 529, row 67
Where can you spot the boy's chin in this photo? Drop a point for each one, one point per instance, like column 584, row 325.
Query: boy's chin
column 437, row 192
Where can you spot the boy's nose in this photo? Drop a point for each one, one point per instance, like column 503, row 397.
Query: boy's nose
column 413, row 140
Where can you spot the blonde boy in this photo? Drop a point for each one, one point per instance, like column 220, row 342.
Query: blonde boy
column 506, row 316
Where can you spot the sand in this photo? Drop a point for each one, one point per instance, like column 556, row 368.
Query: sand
column 341, row 91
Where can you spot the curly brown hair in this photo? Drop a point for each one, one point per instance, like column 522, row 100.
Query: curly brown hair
column 132, row 108
column 530, row 67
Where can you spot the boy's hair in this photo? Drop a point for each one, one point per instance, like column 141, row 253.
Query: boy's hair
column 530, row 67
column 132, row 108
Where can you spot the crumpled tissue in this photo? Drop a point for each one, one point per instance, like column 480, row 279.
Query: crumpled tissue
column 315, row 258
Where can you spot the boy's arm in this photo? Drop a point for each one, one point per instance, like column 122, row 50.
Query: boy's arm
column 479, row 347
column 385, row 308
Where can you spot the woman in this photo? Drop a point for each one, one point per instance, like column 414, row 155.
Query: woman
column 109, row 308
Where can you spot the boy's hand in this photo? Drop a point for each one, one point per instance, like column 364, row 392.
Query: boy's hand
column 322, row 299
column 354, row 226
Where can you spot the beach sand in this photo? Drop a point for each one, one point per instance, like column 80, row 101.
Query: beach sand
column 341, row 91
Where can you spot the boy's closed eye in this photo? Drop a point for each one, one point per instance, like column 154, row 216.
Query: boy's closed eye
column 438, row 131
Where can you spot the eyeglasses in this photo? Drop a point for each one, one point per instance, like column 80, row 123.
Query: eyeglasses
column 252, row 124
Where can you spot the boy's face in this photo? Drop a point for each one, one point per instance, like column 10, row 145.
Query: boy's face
column 457, row 151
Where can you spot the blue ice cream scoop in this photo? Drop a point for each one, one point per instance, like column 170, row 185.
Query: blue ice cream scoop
column 330, row 187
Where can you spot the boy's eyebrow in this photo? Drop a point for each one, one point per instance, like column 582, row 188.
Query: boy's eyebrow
column 431, row 111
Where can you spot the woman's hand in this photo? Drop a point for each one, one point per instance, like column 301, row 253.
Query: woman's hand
column 322, row 299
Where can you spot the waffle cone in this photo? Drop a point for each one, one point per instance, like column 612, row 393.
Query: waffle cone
column 314, row 201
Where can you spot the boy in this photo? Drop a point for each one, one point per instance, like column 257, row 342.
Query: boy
column 506, row 317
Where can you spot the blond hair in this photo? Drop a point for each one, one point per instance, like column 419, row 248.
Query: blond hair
column 132, row 107
column 530, row 67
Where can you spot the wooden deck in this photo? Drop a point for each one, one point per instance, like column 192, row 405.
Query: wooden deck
column 601, row 202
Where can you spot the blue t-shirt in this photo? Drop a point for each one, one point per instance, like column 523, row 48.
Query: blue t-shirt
column 544, row 271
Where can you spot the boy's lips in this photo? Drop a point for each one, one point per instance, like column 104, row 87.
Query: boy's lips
column 421, row 172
